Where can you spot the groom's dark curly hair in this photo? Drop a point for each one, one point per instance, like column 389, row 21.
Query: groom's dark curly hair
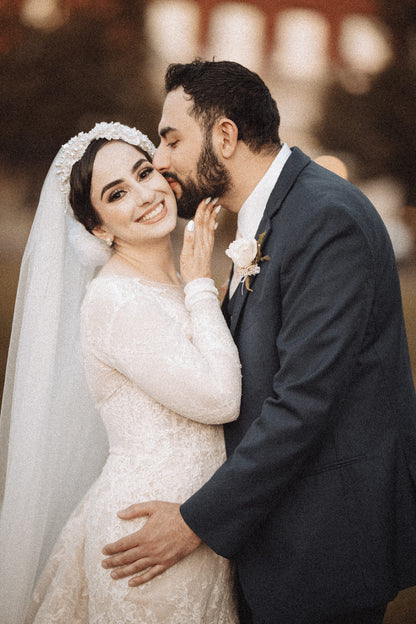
column 225, row 88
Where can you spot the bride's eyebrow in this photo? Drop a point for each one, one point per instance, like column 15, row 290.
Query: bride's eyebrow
column 115, row 182
column 138, row 163
column 109, row 185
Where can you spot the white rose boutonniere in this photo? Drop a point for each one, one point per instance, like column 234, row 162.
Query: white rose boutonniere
column 246, row 255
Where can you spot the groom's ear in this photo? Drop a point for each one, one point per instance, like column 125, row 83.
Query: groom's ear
column 225, row 137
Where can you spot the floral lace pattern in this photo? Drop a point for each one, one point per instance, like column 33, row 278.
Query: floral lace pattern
column 164, row 379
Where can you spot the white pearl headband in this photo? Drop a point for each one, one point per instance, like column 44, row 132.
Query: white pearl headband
column 74, row 150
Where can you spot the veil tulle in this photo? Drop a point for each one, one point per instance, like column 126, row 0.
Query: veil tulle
column 52, row 441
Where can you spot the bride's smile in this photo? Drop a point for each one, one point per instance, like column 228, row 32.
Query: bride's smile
column 153, row 215
column 134, row 201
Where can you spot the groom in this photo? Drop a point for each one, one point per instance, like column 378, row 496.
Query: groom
column 316, row 502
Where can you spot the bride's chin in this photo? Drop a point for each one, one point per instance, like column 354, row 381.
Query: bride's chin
column 168, row 224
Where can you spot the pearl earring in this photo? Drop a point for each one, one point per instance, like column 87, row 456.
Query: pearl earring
column 109, row 241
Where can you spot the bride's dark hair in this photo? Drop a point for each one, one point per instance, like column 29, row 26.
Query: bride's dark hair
column 80, row 185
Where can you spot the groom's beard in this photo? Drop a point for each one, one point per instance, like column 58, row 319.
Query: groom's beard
column 212, row 180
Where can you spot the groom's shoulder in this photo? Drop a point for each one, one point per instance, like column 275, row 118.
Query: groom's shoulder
column 317, row 188
column 317, row 201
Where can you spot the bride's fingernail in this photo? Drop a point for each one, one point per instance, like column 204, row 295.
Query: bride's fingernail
column 215, row 226
column 214, row 201
column 191, row 226
column 217, row 209
column 208, row 199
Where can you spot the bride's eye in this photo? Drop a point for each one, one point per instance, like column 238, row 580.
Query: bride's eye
column 145, row 172
column 117, row 194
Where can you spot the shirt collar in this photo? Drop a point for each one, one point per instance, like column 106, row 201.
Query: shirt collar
column 251, row 212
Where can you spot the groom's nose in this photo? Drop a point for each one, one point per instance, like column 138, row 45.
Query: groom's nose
column 161, row 160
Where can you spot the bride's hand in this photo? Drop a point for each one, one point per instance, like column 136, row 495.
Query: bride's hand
column 198, row 242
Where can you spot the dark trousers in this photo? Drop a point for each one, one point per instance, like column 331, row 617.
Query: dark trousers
column 374, row 615
column 366, row 616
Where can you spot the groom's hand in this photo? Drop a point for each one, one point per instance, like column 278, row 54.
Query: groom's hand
column 164, row 540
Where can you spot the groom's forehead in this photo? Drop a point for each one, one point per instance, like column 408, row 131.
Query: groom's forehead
column 175, row 113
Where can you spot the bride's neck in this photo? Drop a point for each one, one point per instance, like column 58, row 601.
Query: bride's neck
column 152, row 261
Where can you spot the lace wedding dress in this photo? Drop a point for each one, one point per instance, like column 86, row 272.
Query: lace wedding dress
column 164, row 376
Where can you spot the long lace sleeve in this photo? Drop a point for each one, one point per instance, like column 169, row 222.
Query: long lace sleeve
column 191, row 368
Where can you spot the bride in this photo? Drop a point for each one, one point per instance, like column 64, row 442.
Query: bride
column 163, row 373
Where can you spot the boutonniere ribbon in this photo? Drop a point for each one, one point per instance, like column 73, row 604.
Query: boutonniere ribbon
column 246, row 255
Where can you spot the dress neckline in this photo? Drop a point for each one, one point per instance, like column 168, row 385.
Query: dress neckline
column 142, row 278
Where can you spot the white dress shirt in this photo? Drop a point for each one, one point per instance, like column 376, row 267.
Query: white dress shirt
column 251, row 212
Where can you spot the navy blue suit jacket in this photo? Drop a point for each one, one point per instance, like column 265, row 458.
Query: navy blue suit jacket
column 316, row 501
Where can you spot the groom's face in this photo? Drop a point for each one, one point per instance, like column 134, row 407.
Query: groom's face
column 186, row 157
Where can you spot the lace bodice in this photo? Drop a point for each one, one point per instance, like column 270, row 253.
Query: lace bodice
column 165, row 375
column 139, row 339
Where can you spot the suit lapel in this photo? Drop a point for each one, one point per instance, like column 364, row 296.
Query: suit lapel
column 294, row 165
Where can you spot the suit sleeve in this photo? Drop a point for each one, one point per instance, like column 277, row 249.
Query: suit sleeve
column 327, row 286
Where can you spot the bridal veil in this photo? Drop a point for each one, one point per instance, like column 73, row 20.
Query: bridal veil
column 52, row 441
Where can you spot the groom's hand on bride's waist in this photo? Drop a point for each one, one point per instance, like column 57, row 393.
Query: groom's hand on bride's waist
column 164, row 540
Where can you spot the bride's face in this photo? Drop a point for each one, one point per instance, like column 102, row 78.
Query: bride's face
column 133, row 200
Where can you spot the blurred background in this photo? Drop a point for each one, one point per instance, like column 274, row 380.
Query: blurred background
column 343, row 74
